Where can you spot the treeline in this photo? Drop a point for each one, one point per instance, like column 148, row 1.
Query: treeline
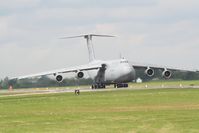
column 45, row 81
column 176, row 75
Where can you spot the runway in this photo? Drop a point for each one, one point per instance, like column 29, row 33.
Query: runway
column 39, row 91
column 25, row 92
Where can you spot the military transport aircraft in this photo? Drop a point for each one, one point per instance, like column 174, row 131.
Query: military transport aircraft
column 118, row 72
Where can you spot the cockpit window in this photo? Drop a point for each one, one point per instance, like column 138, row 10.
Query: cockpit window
column 124, row 61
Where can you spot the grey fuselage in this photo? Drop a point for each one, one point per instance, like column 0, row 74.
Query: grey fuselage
column 114, row 71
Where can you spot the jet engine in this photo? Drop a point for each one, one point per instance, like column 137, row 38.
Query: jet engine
column 59, row 78
column 80, row 75
column 149, row 72
column 166, row 74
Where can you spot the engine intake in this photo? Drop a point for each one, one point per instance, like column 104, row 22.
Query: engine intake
column 80, row 75
column 59, row 78
column 149, row 72
column 166, row 74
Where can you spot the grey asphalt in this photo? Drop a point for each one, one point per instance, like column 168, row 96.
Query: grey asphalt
column 37, row 91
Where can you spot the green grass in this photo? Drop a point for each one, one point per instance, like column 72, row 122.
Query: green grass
column 166, row 83
column 127, row 111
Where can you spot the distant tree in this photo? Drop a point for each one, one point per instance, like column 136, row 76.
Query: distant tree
column 191, row 76
column 1, row 82
column 5, row 83
column 45, row 81
column 176, row 75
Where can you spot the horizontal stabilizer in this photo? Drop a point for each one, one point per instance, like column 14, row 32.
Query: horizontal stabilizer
column 87, row 36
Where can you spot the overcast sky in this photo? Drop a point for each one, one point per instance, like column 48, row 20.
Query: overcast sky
column 163, row 32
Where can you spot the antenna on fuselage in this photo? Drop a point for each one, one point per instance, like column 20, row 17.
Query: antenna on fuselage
column 89, row 43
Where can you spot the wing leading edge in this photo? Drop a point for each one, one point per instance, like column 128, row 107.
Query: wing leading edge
column 152, row 66
column 61, row 71
column 140, row 65
column 166, row 71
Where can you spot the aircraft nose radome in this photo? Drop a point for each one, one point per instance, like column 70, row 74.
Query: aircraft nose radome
column 128, row 70
column 126, row 75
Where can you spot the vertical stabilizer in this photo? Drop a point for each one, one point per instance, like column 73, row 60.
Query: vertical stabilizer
column 89, row 43
column 90, row 47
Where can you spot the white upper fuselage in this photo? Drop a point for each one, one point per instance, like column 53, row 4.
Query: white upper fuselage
column 116, row 71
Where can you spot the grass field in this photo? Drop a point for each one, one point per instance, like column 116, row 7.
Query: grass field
column 166, row 84
column 126, row 111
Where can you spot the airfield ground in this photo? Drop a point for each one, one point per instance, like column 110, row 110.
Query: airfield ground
column 161, row 107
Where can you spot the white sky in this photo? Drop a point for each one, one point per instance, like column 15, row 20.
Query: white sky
column 163, row 32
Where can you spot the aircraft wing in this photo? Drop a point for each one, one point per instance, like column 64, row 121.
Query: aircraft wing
column 152, row 66
column 61, row 71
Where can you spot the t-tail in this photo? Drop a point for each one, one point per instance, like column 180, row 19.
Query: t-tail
column 88, row 38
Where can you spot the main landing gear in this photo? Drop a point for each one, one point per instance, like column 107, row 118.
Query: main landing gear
column 121, row 85
column 116, row 85
column 98, row 86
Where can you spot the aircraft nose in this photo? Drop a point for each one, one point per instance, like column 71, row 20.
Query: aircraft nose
column 127, row 74
column 128, row 70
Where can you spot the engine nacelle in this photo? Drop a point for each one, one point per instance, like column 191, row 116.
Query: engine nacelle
column 166, row 74
column 59, row 78
column 149, row 72
column 80, row 75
